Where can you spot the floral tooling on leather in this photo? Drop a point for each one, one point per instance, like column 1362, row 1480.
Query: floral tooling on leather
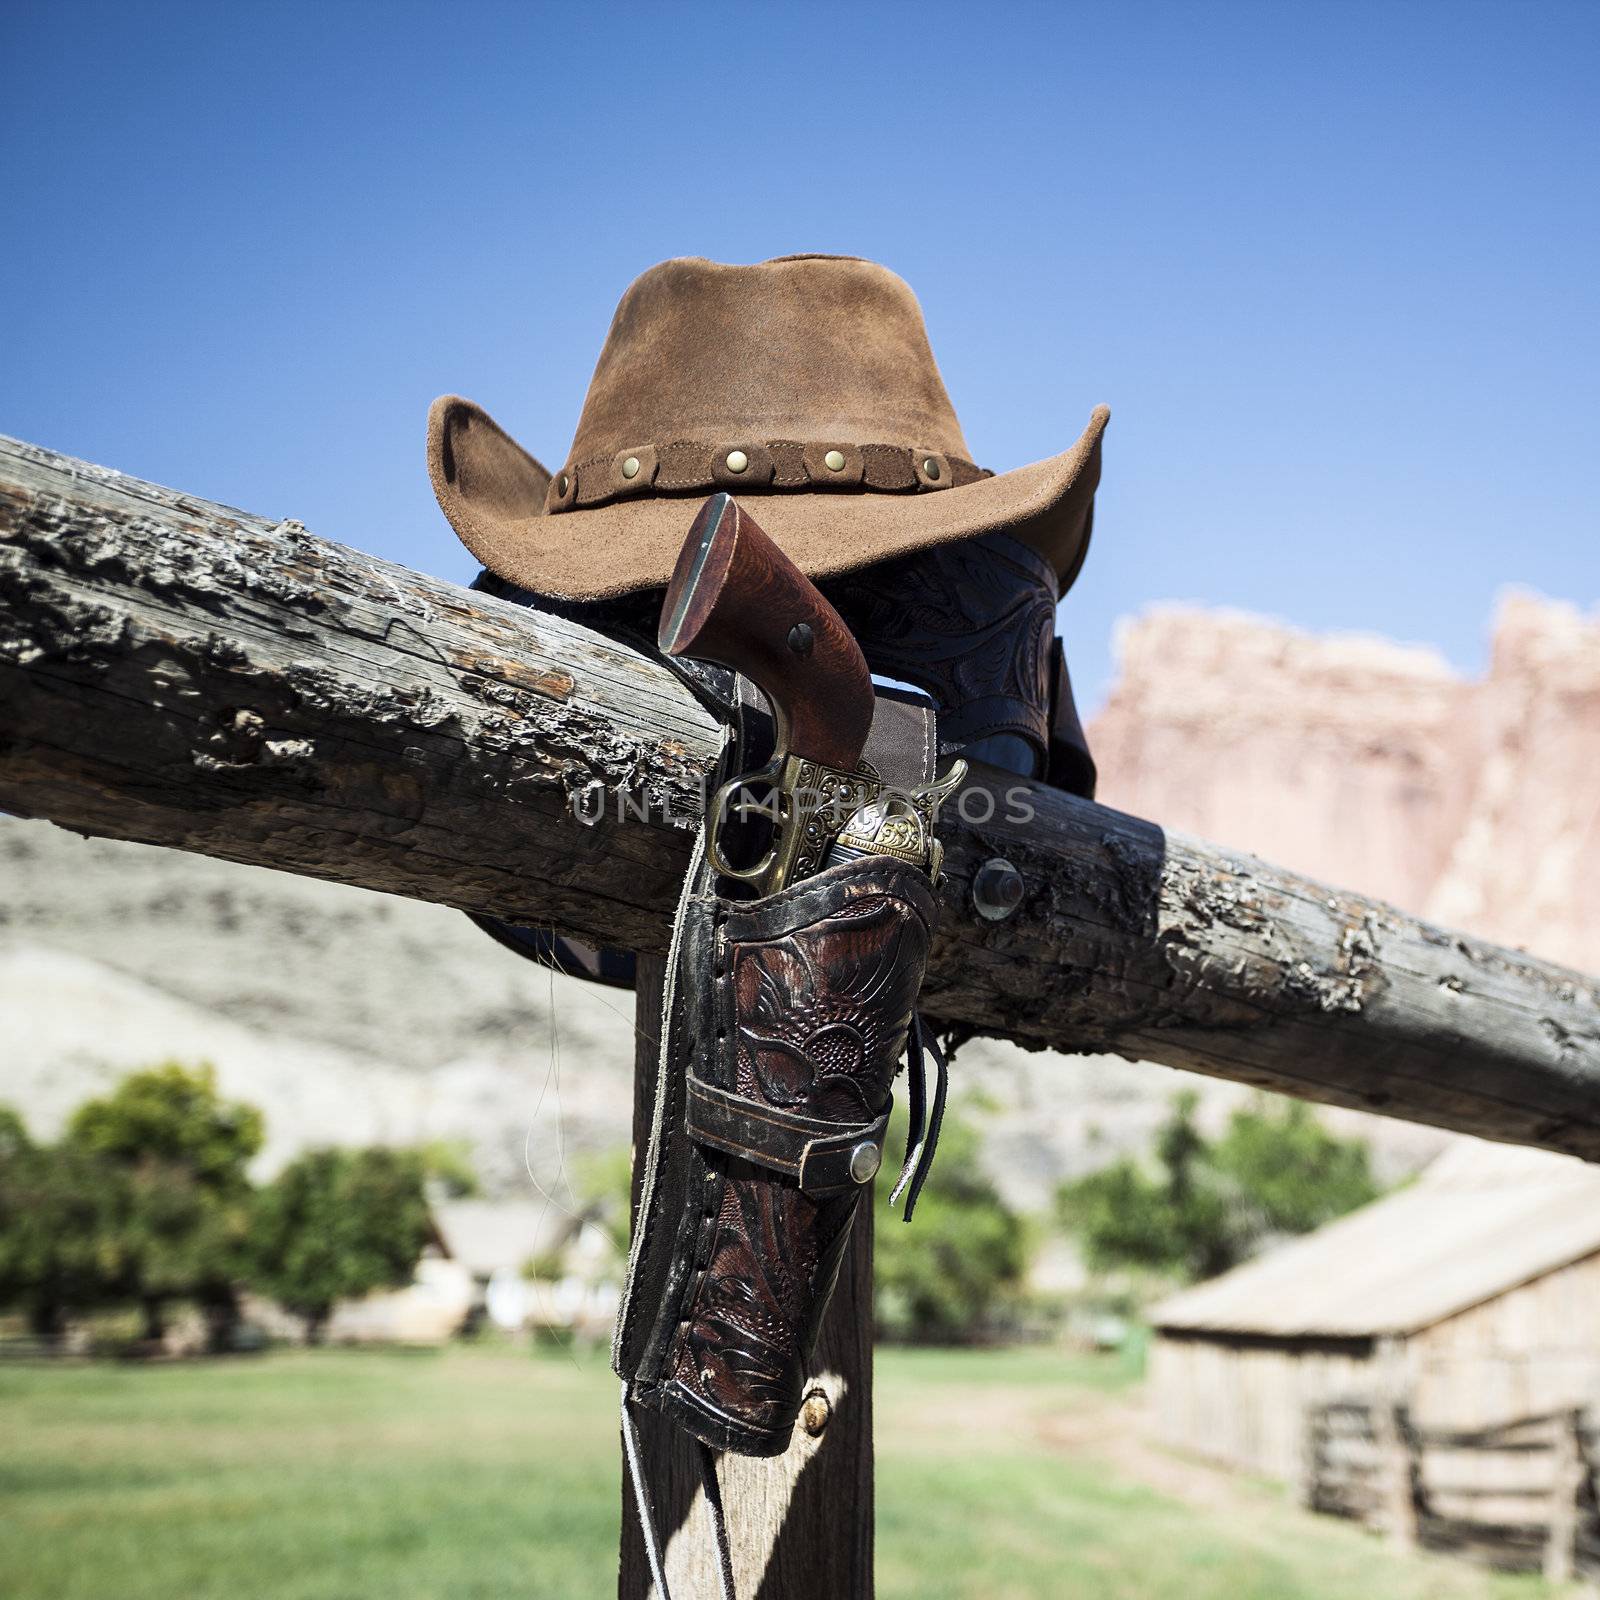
column 821, row 1017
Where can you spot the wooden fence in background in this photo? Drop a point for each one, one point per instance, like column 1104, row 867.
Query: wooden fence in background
column 1523, row 1495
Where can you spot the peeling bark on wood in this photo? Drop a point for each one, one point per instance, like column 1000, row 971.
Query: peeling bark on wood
column 184, row 674
column 189, row 675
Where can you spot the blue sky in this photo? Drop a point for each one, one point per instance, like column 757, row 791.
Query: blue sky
column 1333, row 267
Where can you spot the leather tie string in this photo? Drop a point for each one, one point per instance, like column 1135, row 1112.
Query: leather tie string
column 922, row 1136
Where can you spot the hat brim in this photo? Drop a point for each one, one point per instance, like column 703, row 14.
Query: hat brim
column 493, row 494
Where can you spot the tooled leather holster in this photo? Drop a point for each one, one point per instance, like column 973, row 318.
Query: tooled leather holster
column 785, row 1020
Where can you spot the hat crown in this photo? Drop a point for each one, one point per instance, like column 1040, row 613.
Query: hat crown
column 810, row 348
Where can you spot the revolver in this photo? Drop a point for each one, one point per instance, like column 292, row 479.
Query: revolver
column 736, row 599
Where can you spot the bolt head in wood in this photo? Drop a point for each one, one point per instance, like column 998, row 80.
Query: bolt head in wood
column 815, row 1413
column 737, row 461
column 801, row 638
column 997, row 889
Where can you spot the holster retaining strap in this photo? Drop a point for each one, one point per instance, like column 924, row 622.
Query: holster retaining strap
column 816, row 1153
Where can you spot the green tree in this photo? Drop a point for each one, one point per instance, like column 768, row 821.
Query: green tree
column 63, row 1230
column 957, row 1270
column 173, row 1113
column 185, row 1154
column 448, row 1164
column 1207, row 1205
column 603, row 1184
column 337, row 1224
column 14, row 1140
column 1295, row 1172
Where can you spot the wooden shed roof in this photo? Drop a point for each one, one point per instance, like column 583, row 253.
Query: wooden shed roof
column 1482, row 1219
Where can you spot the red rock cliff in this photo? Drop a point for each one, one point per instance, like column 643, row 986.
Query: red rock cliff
column 1374, row 765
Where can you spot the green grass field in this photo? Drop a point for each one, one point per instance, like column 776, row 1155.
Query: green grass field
column 482, row 1474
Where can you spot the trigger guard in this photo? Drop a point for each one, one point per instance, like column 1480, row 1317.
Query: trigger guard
column 720, row 809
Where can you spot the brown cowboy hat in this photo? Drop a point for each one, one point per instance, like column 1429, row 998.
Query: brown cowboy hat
column 807, row 380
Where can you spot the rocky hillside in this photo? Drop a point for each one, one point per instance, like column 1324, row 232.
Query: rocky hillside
column 1372, row 765
column 353, row 1016
column 347, row 1016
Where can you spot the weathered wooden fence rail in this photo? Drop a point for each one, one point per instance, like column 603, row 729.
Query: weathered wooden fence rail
column 181, row 673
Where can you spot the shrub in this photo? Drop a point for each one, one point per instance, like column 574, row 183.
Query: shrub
column 1205, row 1205
column 956, row 1272
column 338, row 1224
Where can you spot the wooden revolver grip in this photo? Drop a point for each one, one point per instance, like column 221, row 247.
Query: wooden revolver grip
column 735, row 598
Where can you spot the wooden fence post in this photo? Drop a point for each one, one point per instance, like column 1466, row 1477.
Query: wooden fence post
column 800, row 1524
column 1313, row 1447
column 1567, row 1473
column 1399, row 1463
column 1397, row 1473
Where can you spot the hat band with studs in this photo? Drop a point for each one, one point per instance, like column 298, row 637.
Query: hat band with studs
column 687, row 466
